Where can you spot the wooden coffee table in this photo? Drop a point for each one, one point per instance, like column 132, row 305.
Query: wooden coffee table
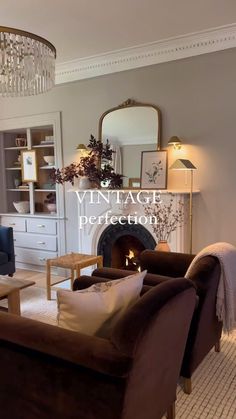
column 74, row 262
column 10, row 289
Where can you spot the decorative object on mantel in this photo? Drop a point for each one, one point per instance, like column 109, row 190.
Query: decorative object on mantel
column 183, row 164
column 27, row 63
column 84, row 183
column 134, row 182
column 166, row 220
column 126, row 126
column 162, row 246
column 94, row 168
column 154, row 170
column 131, row 104
column 176, row 142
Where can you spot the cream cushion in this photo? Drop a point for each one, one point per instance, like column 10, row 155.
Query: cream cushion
column 96, row 309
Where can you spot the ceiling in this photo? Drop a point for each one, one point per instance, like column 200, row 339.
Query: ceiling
column 83, row 28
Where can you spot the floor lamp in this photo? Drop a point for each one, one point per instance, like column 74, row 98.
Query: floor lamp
column 183, row 164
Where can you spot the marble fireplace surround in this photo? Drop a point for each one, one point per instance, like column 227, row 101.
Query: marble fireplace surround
column 104, row 204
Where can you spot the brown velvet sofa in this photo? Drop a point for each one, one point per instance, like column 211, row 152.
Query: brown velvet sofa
column 48, row 372
column 205, row 331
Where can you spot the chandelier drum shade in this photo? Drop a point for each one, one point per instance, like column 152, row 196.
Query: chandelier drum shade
column 27, row 63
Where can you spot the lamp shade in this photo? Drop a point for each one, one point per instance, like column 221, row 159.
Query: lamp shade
column 81, row 147
column 175, row 141
column 182, row 164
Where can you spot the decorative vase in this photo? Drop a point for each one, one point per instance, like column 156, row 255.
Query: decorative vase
column 52, row 208
column 162, row 246
column 17, row 182
column 20, row 142
column 84, row 183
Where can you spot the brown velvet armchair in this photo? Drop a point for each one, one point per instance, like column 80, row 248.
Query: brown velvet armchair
column 48, row 372
column 205, row 331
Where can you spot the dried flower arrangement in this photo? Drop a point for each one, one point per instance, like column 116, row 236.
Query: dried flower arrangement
column 91, row 167
column 167, row 218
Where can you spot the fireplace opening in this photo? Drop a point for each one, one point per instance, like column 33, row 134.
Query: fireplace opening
column 120, row 245
column 125, row 253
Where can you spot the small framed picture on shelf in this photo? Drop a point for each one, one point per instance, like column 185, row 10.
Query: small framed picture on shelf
column 154, row 170
column 29, row 166
column 134, row 182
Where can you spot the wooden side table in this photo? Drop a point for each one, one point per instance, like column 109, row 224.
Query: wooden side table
column 10, row 289
column 13, row 297
column 74, row 262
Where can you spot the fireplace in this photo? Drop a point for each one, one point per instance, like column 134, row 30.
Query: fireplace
column 91, row 234
column 121, row 244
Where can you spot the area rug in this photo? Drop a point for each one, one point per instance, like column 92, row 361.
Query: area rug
column 214, row 382
column 35, row 305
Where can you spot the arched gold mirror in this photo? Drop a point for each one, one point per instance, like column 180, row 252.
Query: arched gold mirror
column 131, row 128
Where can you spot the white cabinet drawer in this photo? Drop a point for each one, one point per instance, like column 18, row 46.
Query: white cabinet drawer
column 17, row 223
column 35, row 241
column 41, row 225
column 33, row 257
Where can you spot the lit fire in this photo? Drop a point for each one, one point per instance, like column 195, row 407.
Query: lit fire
column 130, row 255
column 130, row 258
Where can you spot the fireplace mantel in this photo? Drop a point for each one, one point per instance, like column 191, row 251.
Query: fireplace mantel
column 89, row 233
column 136, row 190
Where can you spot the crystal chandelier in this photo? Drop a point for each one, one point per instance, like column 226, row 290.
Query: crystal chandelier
column 27, row 63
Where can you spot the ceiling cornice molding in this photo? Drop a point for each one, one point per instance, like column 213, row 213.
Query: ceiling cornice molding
column 170, row 49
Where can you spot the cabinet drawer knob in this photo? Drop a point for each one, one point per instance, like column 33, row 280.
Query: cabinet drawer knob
column 42, row 259
column 41, row 225
column 12, row 224
column 40, row 242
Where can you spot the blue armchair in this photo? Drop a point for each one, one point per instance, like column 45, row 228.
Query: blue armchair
column 7, row 255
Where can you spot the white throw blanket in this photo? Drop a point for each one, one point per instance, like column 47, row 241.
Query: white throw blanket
column 226, row 293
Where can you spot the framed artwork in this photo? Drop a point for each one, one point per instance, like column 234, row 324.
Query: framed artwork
column 134, row 182
column 154, row 170
column 29, row 166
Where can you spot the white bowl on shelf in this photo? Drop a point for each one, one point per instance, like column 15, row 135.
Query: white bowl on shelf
column 50, row 160
column 52, row 208
column 23, row 207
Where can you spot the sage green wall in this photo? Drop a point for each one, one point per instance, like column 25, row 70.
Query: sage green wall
column 197, row 100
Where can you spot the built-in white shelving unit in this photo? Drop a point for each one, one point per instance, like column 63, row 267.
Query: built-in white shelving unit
column 39, row 234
